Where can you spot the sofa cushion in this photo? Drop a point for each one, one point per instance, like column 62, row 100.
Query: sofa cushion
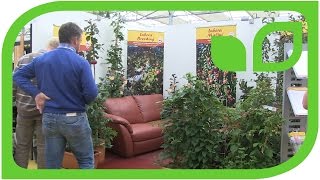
column 159, row 123
column 125, row 107
column 142, row 132
column 150, row 106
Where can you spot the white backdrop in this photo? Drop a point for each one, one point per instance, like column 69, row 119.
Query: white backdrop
column 179, row 43
column 180, row 50
column 42, row 30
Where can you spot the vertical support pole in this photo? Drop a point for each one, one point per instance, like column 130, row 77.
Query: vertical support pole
column 170, row 17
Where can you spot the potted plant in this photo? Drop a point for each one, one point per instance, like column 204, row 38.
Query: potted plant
column 254, row 129
column 102, row 135
column 70, row 161
column 115, row 80
column 91, row 32
column 110, row 86
column 193, row 130
column 203, row 134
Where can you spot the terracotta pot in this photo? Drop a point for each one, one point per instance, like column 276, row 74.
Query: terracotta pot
column 70, row 161
column 93, row 62
column 101, row 148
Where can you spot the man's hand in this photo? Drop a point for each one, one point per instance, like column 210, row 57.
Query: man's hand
column 40, row 101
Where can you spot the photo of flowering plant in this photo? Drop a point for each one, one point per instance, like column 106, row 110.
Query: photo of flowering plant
column 223, row 83
column 145, row 70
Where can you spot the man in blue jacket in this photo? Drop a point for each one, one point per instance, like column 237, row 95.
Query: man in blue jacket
column 65, row 86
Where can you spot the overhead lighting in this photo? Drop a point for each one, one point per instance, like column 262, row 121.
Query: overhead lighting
column 287, row 13
column 187, row 16
column 239, row 15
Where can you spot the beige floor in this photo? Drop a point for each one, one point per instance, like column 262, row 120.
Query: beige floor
column 32, row 164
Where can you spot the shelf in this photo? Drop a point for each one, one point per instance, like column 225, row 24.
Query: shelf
column 301, row 67
column 295, row 95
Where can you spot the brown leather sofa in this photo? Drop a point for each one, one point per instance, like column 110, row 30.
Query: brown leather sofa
column 137, row 121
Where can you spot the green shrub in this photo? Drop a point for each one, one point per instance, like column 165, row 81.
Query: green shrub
column 101, row 133
column 192, row 137
column 255, row 143
column 202, row 133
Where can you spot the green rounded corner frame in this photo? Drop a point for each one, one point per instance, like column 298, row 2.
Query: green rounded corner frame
column 11, row 171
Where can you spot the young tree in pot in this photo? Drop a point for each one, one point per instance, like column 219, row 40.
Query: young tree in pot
column 102, row 135
column 91, row 32
column 111, row 85
column 115, row 80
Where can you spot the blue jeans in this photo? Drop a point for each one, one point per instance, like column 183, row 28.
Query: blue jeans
column 59, row 129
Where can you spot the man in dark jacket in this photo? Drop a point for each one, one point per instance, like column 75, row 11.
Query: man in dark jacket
column 29, row 117
column 65, row 86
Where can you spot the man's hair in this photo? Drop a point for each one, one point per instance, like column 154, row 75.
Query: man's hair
column 53, row 43
column 68, row 31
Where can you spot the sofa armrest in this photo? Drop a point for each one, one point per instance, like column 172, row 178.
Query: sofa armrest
column 119, row 120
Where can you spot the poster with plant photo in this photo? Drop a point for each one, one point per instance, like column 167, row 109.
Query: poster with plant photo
column 223, row 83
column 145, row 62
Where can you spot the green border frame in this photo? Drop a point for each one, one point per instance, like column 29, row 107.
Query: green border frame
column 12, row 171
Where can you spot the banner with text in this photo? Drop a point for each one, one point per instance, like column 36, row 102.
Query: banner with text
column 204, row 34
column 145, row 38
column 84, row 46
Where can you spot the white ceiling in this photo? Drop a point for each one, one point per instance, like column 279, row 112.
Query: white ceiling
column 162, row 18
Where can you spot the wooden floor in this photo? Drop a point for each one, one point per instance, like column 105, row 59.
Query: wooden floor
column 113, row 161
column 143, row 161
column 32, row 164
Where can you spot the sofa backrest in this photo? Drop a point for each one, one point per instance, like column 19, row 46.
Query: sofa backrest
column 150, row 106
column 125, row 107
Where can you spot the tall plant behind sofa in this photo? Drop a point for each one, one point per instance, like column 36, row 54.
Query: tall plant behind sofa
column 101, row 134
column 92, row 31
column 115, row 81
column 111, row 85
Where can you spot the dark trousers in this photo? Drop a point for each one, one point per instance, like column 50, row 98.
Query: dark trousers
column 25, row 128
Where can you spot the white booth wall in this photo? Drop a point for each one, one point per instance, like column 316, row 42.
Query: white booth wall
column 180, row 50
column 42, row 31
column 179, row 43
